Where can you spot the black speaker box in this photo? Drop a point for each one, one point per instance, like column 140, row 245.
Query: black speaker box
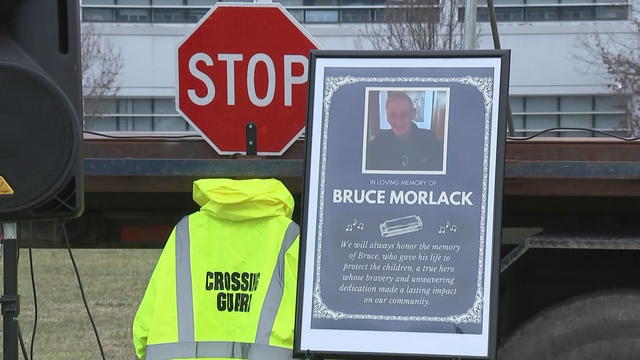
column 40, row 110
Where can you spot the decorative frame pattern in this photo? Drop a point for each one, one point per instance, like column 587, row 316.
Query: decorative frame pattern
column 332, row 84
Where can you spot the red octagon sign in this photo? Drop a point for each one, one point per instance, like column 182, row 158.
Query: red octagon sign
column 241, row 64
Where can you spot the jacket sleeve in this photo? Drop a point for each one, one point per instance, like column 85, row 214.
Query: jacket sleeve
column 143, row 318
column 282, row 332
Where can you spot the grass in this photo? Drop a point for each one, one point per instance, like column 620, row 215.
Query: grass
column 114, row 281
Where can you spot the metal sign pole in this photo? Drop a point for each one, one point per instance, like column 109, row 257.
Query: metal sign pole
column 10, row 300
column 251, row 139
column 470, row 14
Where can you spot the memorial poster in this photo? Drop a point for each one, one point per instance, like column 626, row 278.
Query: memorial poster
column 402, row 204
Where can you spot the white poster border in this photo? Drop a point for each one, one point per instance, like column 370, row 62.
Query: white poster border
column 395, row 342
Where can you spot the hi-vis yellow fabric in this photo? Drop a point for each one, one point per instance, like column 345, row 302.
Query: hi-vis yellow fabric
column 224, row 286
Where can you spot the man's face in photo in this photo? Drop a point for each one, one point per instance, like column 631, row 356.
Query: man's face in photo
column 400, row 114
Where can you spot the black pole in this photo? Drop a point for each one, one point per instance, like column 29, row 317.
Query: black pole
column 496, row 44
column 10, row 300
column 251, row 138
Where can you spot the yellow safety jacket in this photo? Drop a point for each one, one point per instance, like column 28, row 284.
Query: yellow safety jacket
column 224, row 286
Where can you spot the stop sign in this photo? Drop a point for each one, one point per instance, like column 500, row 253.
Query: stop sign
column 240, row 64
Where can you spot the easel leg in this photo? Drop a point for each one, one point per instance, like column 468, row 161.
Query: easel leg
column 10, row 300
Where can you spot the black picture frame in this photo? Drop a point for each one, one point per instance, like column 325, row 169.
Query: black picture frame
column 338, row 344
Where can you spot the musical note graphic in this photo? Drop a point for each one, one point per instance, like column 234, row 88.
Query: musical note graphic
column 356, row 225
column 449, row 227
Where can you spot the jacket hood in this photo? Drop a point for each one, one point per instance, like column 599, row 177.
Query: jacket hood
column 239, row 200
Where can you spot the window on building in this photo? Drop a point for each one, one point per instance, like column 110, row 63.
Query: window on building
column 133, row 114
column 194, row 15
column 98, row 15
column 555, row 10
column 133, row 2
column 169, row 15
column 577, row 13
column 612, row 12
column 353, row 11
column 298, row 14
column 290, row 2
column 321, row 16
column 361, row 2
column 549, row 13
column 199, row 2
column 356, row 15
column 168, row 2
column 532, row 114
column 133, row 15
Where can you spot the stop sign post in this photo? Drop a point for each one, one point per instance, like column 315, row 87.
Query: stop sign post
column 245, row 64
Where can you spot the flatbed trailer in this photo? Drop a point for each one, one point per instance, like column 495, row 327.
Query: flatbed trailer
column 549, row 182
column 570, row 220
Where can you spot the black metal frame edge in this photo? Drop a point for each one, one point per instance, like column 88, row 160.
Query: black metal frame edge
column 504, row 56
column 305, row 205
column 505, row 64
column 406, row 54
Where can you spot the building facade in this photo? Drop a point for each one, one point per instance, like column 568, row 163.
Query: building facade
column 555, row 81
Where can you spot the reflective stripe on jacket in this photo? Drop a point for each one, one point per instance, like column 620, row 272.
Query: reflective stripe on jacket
column 224, row 286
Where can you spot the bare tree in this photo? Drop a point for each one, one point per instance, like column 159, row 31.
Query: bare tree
column 620, row 55
column 416, row 25
column 101, row 65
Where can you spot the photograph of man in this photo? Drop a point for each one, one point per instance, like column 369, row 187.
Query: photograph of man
column 405, row 146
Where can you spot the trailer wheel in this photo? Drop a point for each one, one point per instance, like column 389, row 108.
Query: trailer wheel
column 590, row 327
